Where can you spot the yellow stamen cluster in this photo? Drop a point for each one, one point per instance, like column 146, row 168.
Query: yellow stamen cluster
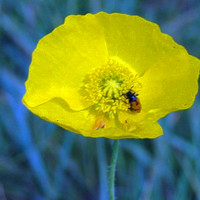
column 107, row 86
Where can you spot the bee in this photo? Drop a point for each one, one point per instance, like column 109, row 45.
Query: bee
column 134, row 101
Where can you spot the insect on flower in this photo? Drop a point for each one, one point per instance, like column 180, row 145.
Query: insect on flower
column 99, row 124
column 134, row 101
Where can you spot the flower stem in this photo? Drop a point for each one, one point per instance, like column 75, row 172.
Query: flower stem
column 112, row 170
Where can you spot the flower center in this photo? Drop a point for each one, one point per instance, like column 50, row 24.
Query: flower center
column 108, row 85
column 111, row 88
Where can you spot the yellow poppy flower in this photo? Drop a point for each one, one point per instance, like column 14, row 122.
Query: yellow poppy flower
column 110, row 75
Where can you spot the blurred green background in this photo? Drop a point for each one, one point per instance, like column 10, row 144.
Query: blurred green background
column 40, row 161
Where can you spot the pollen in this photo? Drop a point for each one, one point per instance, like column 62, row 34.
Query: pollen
column 107, row 85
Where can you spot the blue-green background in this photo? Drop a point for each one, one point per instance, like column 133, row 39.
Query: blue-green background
column 40, row 161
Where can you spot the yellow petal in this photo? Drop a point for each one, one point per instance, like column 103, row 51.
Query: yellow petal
column 136, row 41
column 147, row 130
column 170, row 85
column 82, row 122
column 63, row 58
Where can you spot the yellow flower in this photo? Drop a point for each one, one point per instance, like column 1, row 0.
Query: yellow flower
column 84, row 74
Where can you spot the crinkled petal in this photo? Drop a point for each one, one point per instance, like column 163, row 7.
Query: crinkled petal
column 170, row 85
column 63, row 58
column 82, row 122
column 136, row 41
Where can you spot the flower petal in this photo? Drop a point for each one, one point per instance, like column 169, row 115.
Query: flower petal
column 82, row 122
column 170, row 85
column 136, row 41
column 63, row 58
